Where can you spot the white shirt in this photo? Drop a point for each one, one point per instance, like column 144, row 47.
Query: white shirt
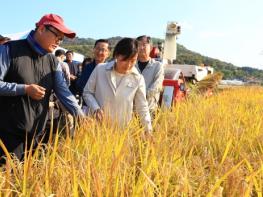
column 118, row 78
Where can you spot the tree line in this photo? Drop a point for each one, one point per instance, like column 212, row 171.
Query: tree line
column 184, row 56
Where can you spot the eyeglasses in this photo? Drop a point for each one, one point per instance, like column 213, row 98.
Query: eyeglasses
column 58, row 38
column 101, row 50
column 141, row 44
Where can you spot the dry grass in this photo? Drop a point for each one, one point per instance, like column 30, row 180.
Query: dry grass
column 210, row 82
column 202, row 147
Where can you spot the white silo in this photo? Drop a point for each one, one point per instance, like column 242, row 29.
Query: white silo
column 170, row 46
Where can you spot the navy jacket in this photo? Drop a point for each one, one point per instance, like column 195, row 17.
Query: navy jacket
column 84, row 77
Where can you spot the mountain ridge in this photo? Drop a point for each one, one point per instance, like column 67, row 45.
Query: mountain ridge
column 184, row 56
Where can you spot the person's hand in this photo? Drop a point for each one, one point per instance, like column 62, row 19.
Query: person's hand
column 148, row 136
column 35, row 91
column 73, row 77
column 86, row 120
column 99, row 115
column 51, row 104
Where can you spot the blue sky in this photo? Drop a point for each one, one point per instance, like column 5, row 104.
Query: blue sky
column 229, row 30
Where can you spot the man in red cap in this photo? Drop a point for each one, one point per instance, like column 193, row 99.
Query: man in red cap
column 28, row 74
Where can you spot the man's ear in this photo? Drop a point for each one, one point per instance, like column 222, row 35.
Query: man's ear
column 41, row 29
column 108, row 53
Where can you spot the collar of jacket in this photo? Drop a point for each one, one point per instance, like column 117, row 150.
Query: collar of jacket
column 109, row 66
column 34, row 44
column 150, row 64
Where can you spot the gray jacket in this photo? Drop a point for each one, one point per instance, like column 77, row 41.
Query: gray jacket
column 153, row 75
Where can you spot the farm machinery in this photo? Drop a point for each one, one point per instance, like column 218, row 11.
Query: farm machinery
column 176, row 75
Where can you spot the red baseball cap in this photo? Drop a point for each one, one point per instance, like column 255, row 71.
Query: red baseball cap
column 58, row 23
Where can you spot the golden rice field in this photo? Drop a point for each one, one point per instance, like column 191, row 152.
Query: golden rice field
column 203, row 147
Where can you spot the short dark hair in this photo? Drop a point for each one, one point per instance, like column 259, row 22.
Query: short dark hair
column 149, row 40
column 127, row 47
column 87, row 60
column 70, row 51
column 59, row 52
column 102, row 40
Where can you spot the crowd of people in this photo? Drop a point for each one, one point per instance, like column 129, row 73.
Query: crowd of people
column 113, row 89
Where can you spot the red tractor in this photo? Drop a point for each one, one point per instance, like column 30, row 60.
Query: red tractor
column 174, row 86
